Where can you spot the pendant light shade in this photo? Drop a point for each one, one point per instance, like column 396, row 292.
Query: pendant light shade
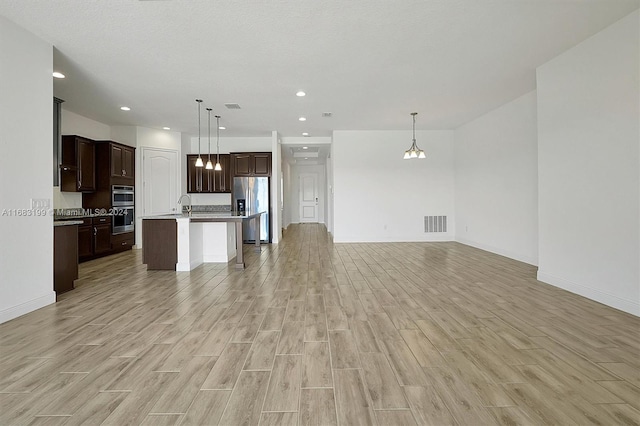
column 199, row 162
column 414, row 151
column 209, row 165
column 218, row 166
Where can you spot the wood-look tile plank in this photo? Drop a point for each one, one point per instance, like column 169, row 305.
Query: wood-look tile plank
column 245, row 404
column 206, row 408
column 352, row 405
column 279, row 419
column 316, row 372
column 295, row 311
column 178, row 395
column 344, row 353
column 427, row 406
column 135, row 407
column 365, row 339
column 225, row 371
column 404, row 364
column 99, row 408
column 247, row 328
column 422, row 349
column 511, row 416
column 162, row 420
column 262, row 351
column 381, row 382
column 395, row 417
column 316, row 328
column 273, row 319
column 291, row 338
column 336, row 318
column 284, row 385
column 317, row 407
column 214, row 341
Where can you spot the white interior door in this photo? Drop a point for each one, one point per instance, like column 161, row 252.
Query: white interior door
column 160, row 181
column 308, row 197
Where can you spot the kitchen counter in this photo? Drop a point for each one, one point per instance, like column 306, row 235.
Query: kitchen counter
column 201, row 237
column 68, row 222
column 209, row 216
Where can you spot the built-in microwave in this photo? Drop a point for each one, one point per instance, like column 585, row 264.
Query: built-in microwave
column 122, row 195
column 123, row 219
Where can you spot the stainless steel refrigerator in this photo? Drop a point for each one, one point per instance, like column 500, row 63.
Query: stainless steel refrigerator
column 255, row 193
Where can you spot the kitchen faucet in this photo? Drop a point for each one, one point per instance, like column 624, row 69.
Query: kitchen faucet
column 189, row 206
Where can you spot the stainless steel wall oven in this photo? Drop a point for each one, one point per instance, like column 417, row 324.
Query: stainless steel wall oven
column 123, row 209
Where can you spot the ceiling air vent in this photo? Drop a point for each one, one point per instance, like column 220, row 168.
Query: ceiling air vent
column 232, row 106
column 326, row 114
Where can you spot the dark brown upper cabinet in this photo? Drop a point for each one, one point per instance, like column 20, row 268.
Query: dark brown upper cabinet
column 251, row 163
column 222, row 178
column 122, row 161
column 77, row 168
column 201, row 180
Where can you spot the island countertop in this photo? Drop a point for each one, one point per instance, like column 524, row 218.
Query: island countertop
column 228, row 216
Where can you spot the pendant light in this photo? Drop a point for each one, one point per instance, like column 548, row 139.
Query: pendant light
column 209, row 166
column 414, row 151
column 199, row 162
column 218, row 166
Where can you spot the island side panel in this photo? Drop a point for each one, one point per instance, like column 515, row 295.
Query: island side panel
column 160, row 244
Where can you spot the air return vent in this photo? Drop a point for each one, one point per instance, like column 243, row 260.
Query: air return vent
column 232, row 106
column 435, row 224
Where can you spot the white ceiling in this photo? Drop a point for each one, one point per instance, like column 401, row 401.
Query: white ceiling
column 369, row 62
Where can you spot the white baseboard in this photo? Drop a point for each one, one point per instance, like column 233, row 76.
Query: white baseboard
column 506, row 253
column 26, row 307
column 630, row 306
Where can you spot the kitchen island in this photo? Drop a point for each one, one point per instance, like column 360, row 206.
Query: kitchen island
column 183, row 242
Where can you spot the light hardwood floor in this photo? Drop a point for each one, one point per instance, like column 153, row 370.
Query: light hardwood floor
column 320, row 333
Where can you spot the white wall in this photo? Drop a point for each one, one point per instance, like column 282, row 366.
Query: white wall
column 26, row 126
column 588, row 157
column 496, row 171
column 294, row 206
column 75, row 124
column 378, row 196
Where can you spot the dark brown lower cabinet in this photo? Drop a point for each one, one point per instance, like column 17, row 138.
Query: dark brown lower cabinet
column 65, row 257
column 85, row 239
column 94, row 237
column 160, row 243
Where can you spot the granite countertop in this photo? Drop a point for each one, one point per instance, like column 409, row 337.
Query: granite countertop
column 66, row 222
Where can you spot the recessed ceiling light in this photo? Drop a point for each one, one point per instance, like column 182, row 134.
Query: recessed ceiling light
column 57, row 74
column 301, row 93
column 222, row 128
column 306, row 158
column 305, row 147
column 302, row 119
column 166, row 128
column 305, row 134
column 125, row 108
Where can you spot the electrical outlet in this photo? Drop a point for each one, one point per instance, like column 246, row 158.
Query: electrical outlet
column 40, row 203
